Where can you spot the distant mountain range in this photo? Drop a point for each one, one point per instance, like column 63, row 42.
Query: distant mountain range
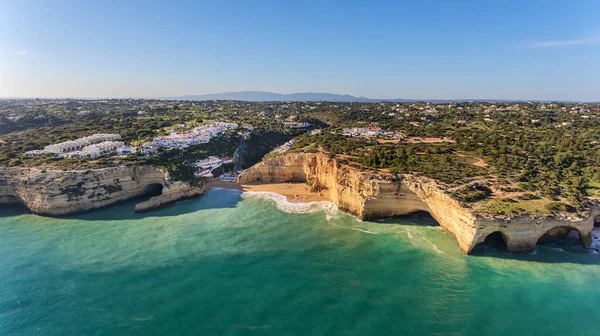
column 279, row 97
column 255, row 96
column 258, row 96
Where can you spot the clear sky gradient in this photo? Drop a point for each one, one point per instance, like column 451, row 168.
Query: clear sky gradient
column 505, row 49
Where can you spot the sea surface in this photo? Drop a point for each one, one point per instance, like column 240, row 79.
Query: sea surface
column 227, row 264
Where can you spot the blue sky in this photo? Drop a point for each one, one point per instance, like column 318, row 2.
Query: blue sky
column 382, row 49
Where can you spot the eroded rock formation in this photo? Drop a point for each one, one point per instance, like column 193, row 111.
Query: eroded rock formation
column 370, row 195
column 174, row 192
column 56, row 192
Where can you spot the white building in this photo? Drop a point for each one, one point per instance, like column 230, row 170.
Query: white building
column 293, row 124
column 203, row 173
column 77, row 144
column 362, row 131
column 91, row 153
column 35, row 153
column 211, row 162
column 126, row 150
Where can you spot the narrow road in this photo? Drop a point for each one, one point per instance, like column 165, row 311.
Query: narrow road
column 240, row 153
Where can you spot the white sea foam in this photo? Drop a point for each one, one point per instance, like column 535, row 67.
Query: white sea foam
column 142, row 318
column 434, row 246
column 365, row 231
column 284, row 205
column 595, row 239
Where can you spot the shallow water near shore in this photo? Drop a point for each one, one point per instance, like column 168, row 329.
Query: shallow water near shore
column 227, row 264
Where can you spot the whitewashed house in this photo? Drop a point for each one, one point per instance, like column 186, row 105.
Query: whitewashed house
column 126, row 150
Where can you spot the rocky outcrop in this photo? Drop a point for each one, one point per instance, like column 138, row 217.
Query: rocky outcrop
column 173, row 193
column 57, row 192
column 371, row 195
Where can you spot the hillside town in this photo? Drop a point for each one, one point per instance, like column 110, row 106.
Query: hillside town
column 198, row 135
column 96, row 145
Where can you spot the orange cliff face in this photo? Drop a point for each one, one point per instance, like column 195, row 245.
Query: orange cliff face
column 370, row 195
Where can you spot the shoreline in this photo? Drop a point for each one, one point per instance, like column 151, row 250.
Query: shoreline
column 294, row 192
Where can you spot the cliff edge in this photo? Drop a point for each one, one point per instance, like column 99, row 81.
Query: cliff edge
column 370, row 195
column 58, row 192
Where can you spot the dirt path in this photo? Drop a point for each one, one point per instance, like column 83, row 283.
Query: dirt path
column 478, row 161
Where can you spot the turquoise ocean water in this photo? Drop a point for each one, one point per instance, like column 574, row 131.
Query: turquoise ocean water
column 230, row 265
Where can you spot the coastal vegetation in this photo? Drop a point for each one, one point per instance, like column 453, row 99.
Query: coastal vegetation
column 501, row 158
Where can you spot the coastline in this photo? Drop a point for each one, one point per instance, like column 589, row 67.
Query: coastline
column 294, row 192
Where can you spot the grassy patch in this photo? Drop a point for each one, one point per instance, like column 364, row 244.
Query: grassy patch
column 512, row 207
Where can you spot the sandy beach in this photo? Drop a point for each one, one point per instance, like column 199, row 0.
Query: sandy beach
column 295, row 192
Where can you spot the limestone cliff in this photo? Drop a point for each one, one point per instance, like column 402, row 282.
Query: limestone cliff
column 57, row 192
column 371, row 195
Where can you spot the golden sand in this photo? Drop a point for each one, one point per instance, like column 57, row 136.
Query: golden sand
column 295, row 192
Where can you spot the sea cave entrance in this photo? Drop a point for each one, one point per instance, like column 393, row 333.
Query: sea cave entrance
column 495, row 240
column 153, row 189
column 11, row 203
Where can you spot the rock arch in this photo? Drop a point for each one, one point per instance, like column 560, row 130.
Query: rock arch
column 561, row 232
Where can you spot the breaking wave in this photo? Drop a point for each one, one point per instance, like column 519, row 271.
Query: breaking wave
column 284, row 205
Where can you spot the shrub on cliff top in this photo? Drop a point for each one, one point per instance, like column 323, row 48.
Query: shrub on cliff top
column 560, row 207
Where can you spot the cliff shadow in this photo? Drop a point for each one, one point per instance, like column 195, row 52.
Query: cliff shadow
column 12, row 209
column 564, row 250
column 211, row 199
column 417, row 218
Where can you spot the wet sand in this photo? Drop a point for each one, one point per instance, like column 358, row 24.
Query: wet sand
column 295, row 192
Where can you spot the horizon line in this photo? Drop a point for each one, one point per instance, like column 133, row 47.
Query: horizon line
column 180, row 97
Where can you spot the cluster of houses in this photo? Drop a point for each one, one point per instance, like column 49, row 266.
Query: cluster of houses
column 206, row 166
column 371, row 131
column 97, row 150
column 96, row 145
column 285, row 147
column 296, row 124
column 292, row 122
column 89, row 147
column 14, row 117
column 198, row 135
